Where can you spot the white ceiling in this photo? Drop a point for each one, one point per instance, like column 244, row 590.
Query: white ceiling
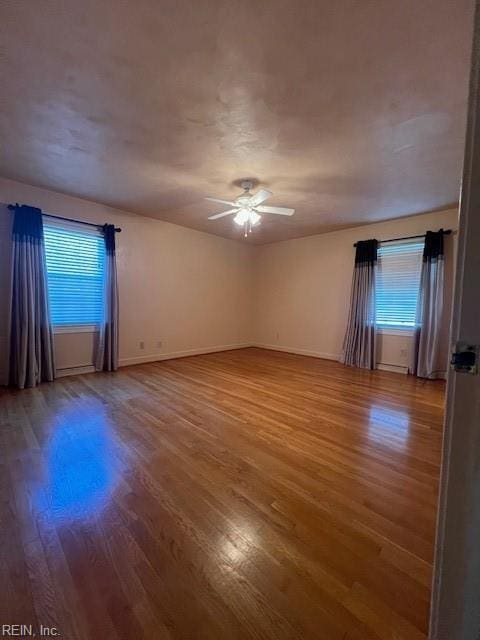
column 350, row 112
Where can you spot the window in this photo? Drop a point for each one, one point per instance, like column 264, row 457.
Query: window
column 397, row 284
column 75, row 271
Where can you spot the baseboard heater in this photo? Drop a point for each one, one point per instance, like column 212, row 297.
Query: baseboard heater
column 396, row 368
column 74, row 371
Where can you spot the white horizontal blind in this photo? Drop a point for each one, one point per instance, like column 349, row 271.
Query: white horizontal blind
column 75, row 271
column 397, row 283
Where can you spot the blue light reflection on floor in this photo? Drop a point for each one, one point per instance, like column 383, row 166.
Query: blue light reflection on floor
column 81, row 473
column 390, row 427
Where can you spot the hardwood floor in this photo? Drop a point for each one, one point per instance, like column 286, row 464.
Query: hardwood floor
column 236, row 495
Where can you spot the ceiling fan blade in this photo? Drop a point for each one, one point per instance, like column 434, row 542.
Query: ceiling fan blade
column 282, row 211
column 224, row 213
column 232, row 204
column 259, row 197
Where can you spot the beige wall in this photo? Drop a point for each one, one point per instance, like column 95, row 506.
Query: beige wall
column 302, row 288
column 196, row 292
column 190, row 290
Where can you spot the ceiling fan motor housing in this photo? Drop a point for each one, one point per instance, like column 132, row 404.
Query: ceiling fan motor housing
column 243, row 201
column 247, row 185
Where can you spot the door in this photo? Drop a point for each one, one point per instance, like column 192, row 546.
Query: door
column 456, row 586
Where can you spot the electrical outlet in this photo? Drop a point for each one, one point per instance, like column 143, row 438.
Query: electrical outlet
column 403, row 354
column 159, row 344
column 142, row 344
column 278, row 336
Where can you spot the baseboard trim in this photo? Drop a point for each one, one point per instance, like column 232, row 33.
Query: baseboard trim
column 157, row 357
column 327, row 356
column 298, row 352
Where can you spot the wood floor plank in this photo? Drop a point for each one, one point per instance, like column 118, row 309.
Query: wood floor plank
column 244, row 494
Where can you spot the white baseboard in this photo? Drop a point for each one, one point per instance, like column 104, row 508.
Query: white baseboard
column 125, row 362
column 299, row 352
column 327, row 356
column 157, row 357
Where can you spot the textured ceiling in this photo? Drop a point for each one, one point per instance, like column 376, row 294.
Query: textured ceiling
column 350, row 112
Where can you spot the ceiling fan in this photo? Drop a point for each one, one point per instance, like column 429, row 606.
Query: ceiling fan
column 248, row 207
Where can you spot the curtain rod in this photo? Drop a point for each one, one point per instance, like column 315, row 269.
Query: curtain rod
column 89, row 224
column 446, row 232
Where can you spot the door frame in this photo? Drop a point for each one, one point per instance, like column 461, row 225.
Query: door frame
column 455, row 610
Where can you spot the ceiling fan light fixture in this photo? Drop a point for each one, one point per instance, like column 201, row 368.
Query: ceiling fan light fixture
column 242, row 217
column 254, row 217
column 247, row 216
column 247, row 207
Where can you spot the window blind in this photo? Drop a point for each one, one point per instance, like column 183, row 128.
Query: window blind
column 75, row 271
column 397, row 283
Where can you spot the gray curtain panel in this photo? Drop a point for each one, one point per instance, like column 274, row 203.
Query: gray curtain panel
column 430, row 309
column 31, row 341
column 359, row 345
column 107, row 348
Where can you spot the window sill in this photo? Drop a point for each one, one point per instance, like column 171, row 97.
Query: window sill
column 396, row 331
column 75, row 328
